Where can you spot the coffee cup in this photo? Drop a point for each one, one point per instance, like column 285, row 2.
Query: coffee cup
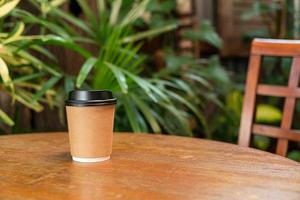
column 90, row 117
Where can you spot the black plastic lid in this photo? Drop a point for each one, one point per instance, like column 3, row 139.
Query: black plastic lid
column 90, row 98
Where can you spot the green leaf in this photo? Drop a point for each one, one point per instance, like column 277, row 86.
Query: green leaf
column 28, row 102
column 119, row 75
column 234, row 101
column 183, row 85
column 261, row 142
column 131, row 113
column 179, row 118
column 76, row 21
column 162, row 6
column 56, row 3
column 87, row 11
column 30, row 18
column 38, row 63
column 101, row 7
column 165, row 125
column 44, row 51
column 199, row 79
column 294, row 155
column 175, row 61
column 16, row 32
column 149, row 33
column 60, row 41
column 267, row 114
column 69, row 84
column 4, row 73
column 206, row 33
column 190, row 106
column 146, row 110
column 6, row 119
column 136, row 12
column 85, row 70
column 8, row 7
column 115, row 12
column 216, row 72
column 49, row 6
column 148, row 88
column 49, row 84
column 29, row 77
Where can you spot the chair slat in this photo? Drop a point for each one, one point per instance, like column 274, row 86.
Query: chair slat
column 249, row 100
column 270, row 47
column 276, row 132
column 278, row 91
column 289, row 106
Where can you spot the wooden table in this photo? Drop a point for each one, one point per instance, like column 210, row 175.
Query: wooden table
column 38, row 166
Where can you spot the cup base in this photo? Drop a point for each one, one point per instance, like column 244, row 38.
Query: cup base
column 90, row 160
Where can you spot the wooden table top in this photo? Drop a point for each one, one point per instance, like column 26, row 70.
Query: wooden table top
column 143, row 166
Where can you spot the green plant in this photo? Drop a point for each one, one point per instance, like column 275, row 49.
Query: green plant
column 27, row 79
column 211, row 81
column 161, row 13
column 294, row 155
column 204, row 78
column 166, row 101
column 151, row 103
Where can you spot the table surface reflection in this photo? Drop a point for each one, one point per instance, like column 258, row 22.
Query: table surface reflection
column 143, row 166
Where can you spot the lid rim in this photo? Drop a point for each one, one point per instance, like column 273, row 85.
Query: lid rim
column 90, row 98
column 90, row 103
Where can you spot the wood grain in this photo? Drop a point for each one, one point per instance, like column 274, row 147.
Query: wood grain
column 289, row 104
column 143, row 166
column 276, row 132
column 249, row 100
column 278, row 91
column 275, row 47
column 271, row 47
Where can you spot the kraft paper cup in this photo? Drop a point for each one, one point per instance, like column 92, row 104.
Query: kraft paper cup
column 90, row 116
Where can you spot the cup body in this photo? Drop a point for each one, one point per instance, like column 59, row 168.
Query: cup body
column 90, row 125
column 91, row 131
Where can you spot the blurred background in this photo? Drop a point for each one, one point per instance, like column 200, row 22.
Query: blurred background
column 176, row 66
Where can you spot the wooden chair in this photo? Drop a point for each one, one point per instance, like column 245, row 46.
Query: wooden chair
column 270, row 47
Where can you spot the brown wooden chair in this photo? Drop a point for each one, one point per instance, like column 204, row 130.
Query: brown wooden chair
column 270, row 47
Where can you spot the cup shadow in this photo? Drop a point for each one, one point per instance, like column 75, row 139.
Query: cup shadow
column 62, row 156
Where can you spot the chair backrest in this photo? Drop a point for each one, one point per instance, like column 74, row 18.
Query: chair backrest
column 284, row 133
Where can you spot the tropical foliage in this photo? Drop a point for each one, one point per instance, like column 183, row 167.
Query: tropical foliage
column 162, row 102
column 24, row 77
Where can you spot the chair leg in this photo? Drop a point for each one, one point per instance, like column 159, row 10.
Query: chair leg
column 282, row 146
